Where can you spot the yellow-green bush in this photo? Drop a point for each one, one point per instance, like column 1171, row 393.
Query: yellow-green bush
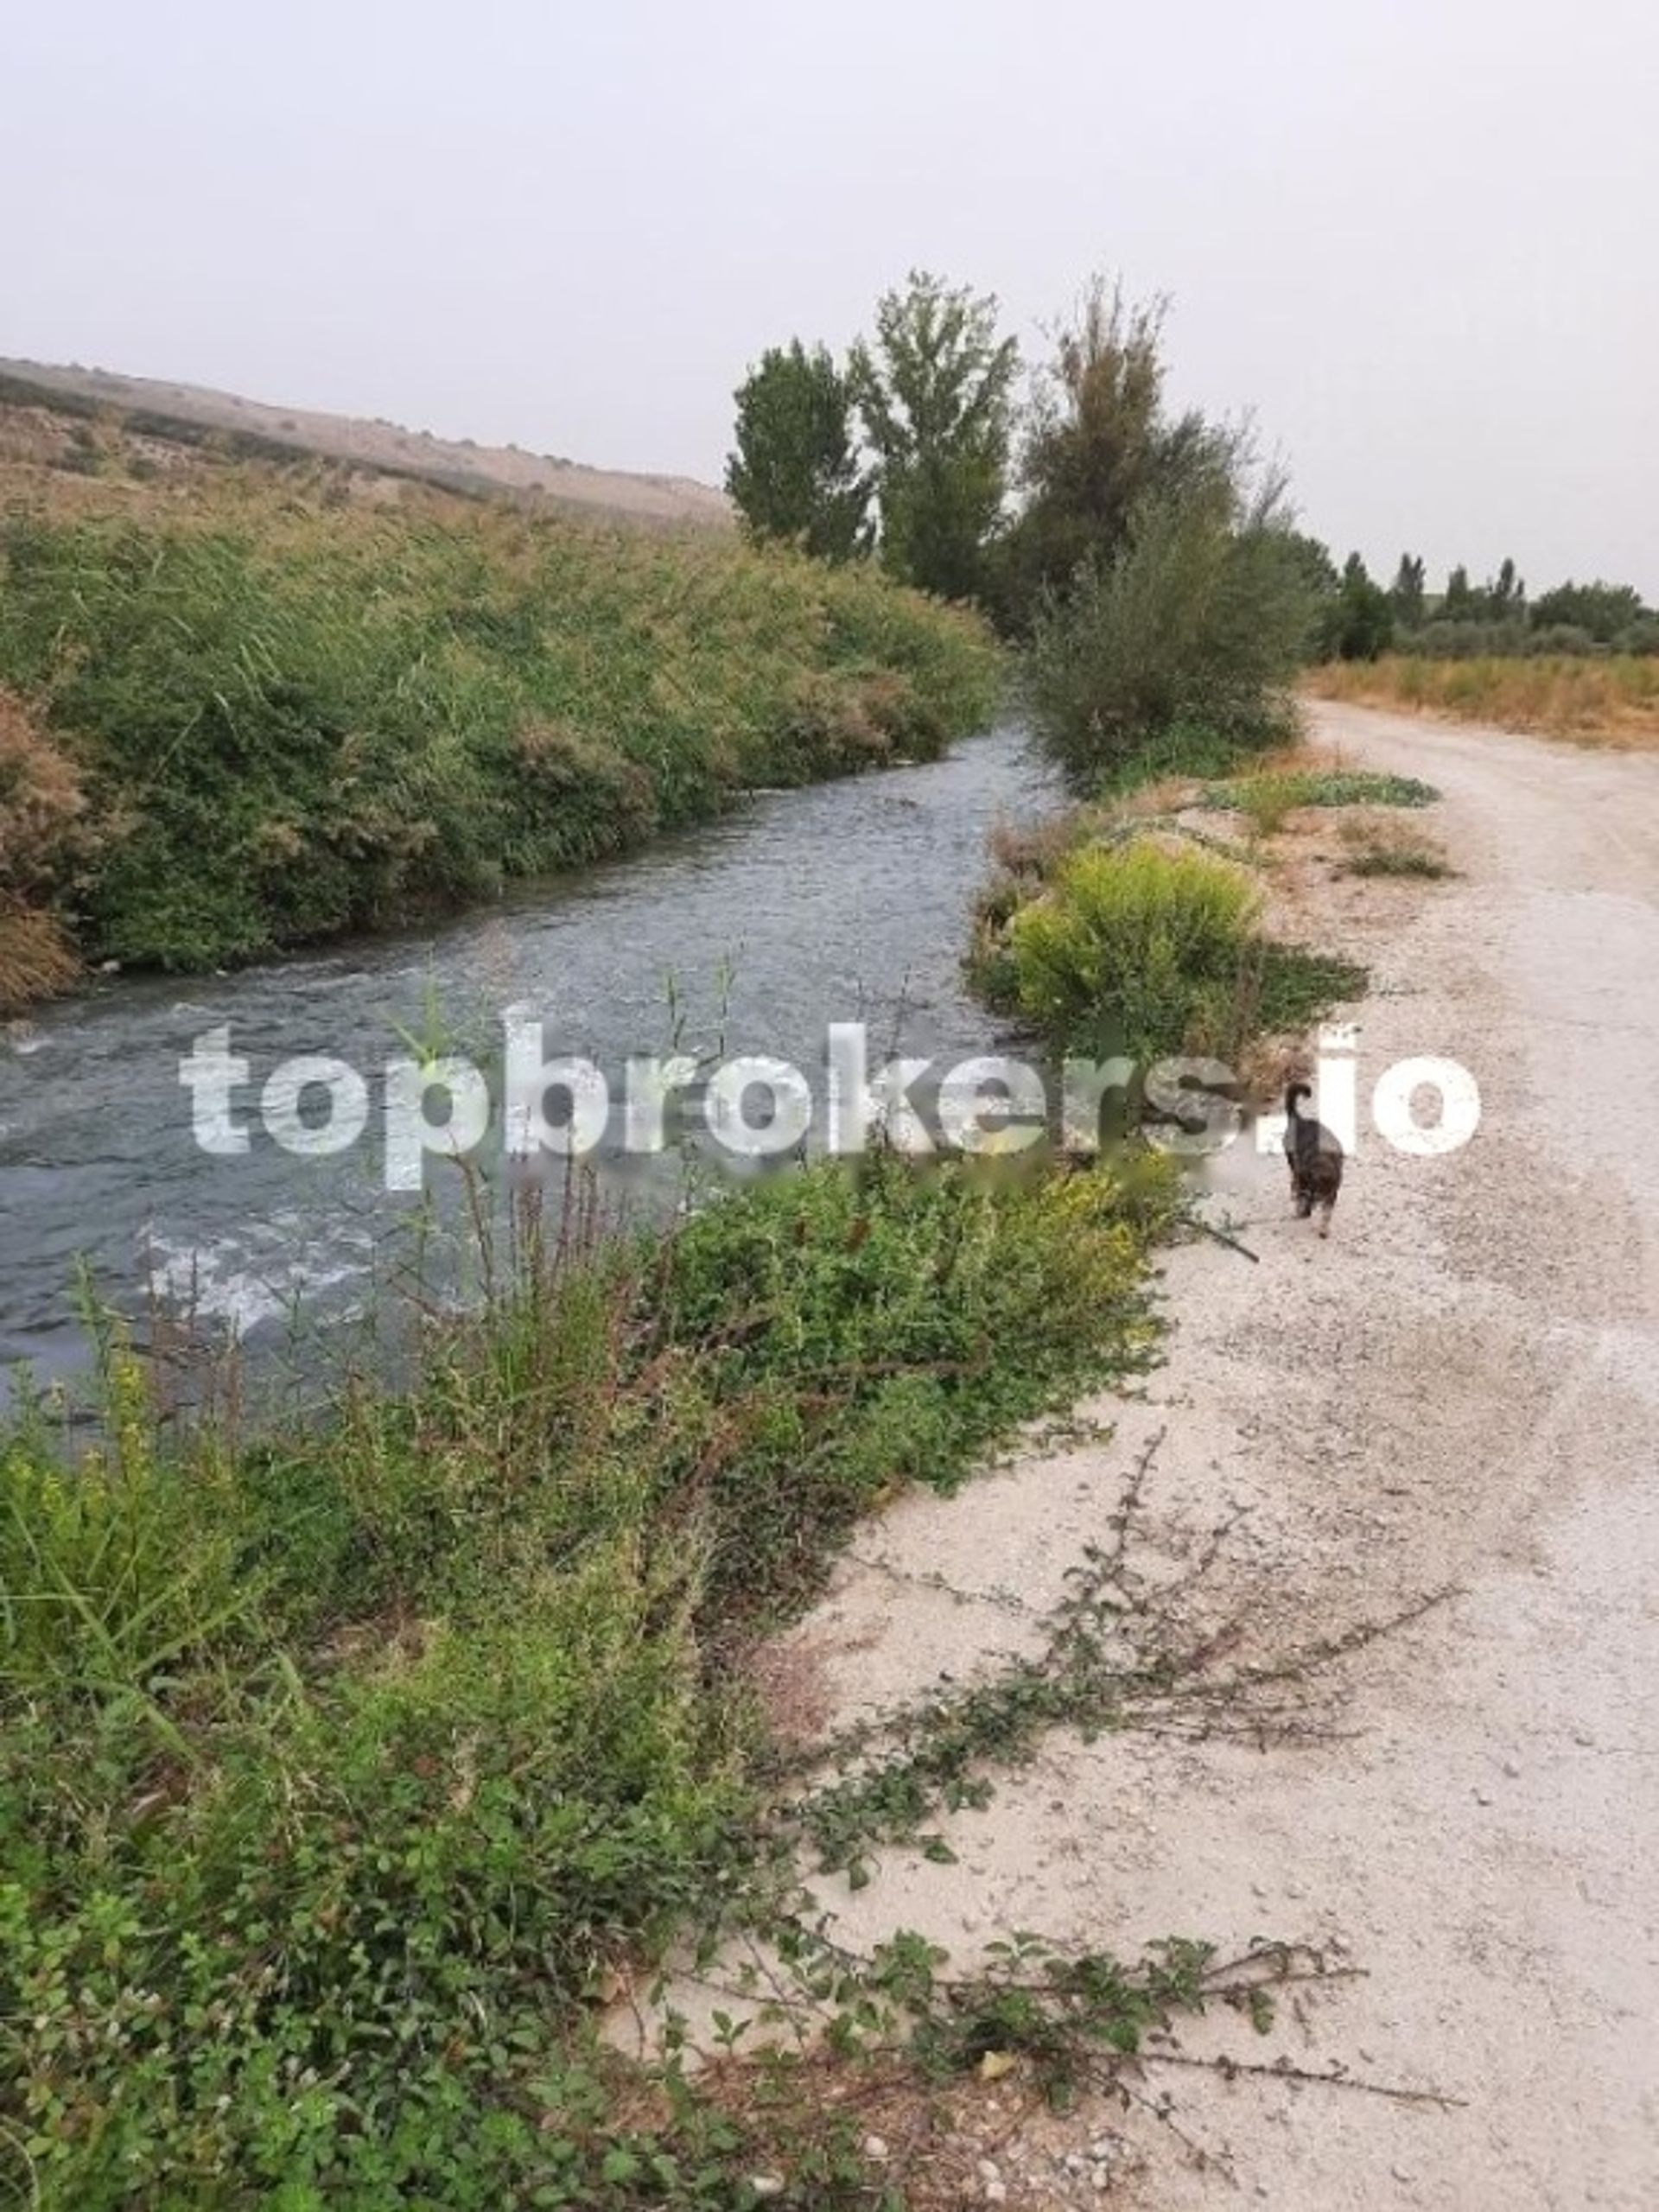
column 1136, row 948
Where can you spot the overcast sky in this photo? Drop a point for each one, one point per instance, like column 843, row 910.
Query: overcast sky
column 1419, row 240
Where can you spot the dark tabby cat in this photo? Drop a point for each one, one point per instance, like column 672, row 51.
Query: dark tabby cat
column 1315, row 1159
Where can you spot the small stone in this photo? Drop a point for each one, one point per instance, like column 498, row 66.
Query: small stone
column 1262, row 2189
column 1105, row 2148
column 987, row 2170
column 1403, row 2173
column 1482, row 1797
column 1512, row 1768
column 767, row 2184
column 996, row 2192
column 1103, row 2178
column 874, row 2148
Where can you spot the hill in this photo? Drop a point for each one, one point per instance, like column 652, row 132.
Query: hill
column 184, row 413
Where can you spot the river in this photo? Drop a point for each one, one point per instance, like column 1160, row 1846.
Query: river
column 846, row 901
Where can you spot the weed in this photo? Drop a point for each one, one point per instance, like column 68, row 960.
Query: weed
column 1275, row 794
column 342, row 1768
column 1376, row 850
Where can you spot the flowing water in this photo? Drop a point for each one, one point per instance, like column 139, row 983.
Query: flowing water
column 848, row 901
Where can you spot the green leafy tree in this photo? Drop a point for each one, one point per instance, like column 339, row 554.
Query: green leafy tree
column 1365, row 614
column 1508, row 595
column 1098, row 442
column 795, row 471
column 1458, row 605
column 1310, row 563
column 1410, row 591
column 935, row 390
column 1605, row 611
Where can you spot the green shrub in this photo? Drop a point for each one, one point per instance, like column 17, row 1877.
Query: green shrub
column 1136, row 948
column 1197, row 624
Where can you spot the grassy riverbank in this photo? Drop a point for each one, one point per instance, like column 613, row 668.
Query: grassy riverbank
column 243, row 714
column 339, row 1771
column 1604, row 699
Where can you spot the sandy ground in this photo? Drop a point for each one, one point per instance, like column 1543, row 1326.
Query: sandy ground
column 1459, row 1388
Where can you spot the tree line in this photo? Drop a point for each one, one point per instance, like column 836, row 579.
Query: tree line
column 1143, row 554
column 1145, row 557
column 1359, row 619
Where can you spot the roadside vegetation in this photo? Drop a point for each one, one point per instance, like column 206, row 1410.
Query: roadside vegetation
column 256, row 716
column 1611, row 700
column 1120, row 934
column 345, row 1769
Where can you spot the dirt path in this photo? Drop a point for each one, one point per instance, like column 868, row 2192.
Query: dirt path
column 1461, row 1387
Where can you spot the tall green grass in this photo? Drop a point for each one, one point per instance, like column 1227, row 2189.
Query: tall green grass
column 292, row 719
column 339, row 1769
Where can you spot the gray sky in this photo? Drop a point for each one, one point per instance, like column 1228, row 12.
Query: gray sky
column 1419, row 240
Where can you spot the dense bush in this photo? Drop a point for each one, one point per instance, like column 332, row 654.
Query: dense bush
column 43, row 837
column 1136, row 948
column 300, row 721
column 1196, row 625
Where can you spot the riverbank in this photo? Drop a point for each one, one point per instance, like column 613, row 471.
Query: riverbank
column 240, row 711
column 345, row 1767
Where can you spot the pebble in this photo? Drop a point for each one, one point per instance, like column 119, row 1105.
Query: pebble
column 874, row 2148
column 987, row 2169
column 996, row 2192
column 1403, row 2173
column 767, row 2184
column 1512, row 1768
column 1482, row 1797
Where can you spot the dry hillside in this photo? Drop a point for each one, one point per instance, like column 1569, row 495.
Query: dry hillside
column 181, row 413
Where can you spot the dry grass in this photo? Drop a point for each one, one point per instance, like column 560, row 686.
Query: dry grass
column 1376, row 845
column 1612, row 700
column 36, row 959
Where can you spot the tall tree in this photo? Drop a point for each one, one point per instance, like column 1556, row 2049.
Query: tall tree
column 935, row 390
column 1365, row 614
column 1410, row 591
column 1098, row 442
column 795, row 472
column 1509, row 594
column 1458, row 605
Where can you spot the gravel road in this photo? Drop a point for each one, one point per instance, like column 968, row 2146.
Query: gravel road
column 1457, row 1392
